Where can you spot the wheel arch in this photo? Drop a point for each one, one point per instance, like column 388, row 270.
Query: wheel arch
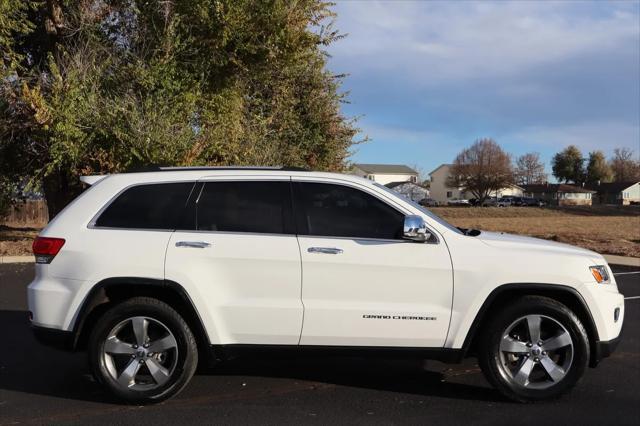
column 110, row 291
column 566, row 295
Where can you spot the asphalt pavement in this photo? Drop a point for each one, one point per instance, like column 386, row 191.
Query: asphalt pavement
column 39, row 385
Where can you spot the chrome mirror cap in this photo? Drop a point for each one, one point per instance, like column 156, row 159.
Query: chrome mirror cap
column 415, row 229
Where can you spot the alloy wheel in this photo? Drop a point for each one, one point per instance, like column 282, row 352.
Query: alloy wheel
column 140, row 353
column 536, row 352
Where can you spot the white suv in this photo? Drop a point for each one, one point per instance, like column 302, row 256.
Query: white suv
column 154, row 272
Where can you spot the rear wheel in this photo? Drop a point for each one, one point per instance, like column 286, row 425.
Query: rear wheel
column 143, row 351
column 535, row 349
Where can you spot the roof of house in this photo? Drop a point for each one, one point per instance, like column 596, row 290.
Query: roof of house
column 439, row 167
column 392, row 185
column 386, row 169
column 612, row 187
column 556, row 187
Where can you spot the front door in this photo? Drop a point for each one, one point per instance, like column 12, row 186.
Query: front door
column 362, row 284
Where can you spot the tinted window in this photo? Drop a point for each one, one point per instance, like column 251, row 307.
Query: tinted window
column 340, row 211
column 154, row 206
column 263, row 207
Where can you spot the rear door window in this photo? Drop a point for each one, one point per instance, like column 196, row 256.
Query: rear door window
column 245, row 206
column 148, row 206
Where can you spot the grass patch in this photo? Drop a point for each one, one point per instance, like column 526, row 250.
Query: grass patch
column 16, row 241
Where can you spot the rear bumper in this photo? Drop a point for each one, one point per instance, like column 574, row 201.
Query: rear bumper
column 55, row 338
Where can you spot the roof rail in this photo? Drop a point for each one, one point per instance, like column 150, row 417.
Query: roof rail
column 154, row 168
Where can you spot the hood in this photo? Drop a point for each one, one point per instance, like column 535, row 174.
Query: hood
column 518, row 242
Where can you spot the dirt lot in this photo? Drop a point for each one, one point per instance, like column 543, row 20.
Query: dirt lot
column 607, row 230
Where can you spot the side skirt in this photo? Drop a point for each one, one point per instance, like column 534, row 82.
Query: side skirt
column 227, row 352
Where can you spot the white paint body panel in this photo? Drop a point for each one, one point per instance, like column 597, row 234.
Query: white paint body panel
column 267, row 289
column 247, row 285
column 375, row 278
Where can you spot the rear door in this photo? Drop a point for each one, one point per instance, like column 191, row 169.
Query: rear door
column 240, row 259
column 363, row 285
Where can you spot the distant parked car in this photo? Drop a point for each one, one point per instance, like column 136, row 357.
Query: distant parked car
column 504, row 202
column 458, row 202
column 488, row 202
column 428, row 202
column 532, row 202
column 517, row 201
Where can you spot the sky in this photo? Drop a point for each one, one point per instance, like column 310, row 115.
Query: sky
column 428, row 78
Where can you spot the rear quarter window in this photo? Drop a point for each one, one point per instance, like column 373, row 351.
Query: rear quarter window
column 148, row 206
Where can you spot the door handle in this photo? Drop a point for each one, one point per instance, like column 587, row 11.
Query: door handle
column 193, row 244
column 324, row 250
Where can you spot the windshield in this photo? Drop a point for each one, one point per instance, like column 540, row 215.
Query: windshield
column 424, row 210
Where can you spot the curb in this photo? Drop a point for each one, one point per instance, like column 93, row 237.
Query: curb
column 611, row 259
column 621, row 260
column 17, row 259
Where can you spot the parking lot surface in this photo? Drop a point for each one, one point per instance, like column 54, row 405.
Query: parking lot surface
column 39, row 385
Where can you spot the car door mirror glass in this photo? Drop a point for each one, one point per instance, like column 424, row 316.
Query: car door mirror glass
column 415, row 229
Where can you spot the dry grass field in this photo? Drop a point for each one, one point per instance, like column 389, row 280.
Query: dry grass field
column 16, row 241
column 607, row 230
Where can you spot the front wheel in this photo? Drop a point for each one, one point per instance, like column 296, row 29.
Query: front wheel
column 143, row 351
column 535, row 349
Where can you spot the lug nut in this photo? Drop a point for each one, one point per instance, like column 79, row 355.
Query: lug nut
column 133, row 355
column 529, row 344
column 544, row 352
column 142, row 361
column 536, row 359
column 540, row 343
column 146, row 345
column 135, row 346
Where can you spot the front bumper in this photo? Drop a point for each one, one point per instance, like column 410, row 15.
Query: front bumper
column 55, row 338
column 604, row 349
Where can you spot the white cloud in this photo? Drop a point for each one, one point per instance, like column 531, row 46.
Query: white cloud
column 435, row 42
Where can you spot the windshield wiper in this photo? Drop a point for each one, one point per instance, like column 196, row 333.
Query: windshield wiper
column 470, row 232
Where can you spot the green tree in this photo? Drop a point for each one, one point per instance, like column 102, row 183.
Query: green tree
column 481, row 169
column 101, row 86
column 597, row 168
column 568, row 165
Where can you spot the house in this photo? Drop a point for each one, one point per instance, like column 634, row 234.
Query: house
column 560, row 194
column 411, row 190
column 385, row 173
column 442, row 193
column 623, row 193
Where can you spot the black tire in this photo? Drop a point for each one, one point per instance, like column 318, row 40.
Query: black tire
column 183, row 353
column 496, row 363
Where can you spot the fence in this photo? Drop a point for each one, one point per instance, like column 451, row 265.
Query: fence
column 30, row 213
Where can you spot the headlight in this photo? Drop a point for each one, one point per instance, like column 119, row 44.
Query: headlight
column 600, row 273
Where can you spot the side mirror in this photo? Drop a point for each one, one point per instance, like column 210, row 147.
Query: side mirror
column 415, row 229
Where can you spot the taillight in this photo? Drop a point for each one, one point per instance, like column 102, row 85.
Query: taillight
column 45, row 248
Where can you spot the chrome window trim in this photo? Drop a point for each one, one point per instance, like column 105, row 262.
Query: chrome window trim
column 243, row 178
